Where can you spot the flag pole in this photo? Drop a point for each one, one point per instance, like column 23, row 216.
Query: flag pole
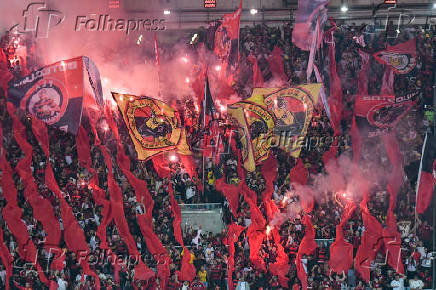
column 204, row 124
column 156, row 50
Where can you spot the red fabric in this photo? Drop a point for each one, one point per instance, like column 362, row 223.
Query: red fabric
column 256, row 236
column 231, row 192
column 83, row 148
column 187, row 272
column 42, row 208
column 257, row 74
column 341, row 252
column 335, row 100
column 331, row 153
column 307, row 247
column 388, row 82
column 233, row 233
column 276, row 64
column 371, row 241
column 401, row 57
column 189, row 164
column 356, row 141
column 280, row 267
column 391, row 236
column 269, row 173
column 425, row 191
column 161, row 165
column 5, row 75
column 299, row 173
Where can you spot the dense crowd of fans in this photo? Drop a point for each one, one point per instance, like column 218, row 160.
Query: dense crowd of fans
column 208, row 250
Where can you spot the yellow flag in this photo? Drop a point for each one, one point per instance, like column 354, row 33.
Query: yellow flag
column 153, row 125
column 255, row 125
column 292, row 109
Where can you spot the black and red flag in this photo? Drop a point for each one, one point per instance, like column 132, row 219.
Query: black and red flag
column 208, row 121
column 376, row 115
column 227, row 39
column 401, row 57
column 55, row 93
column 309, row 20
column 426, row 175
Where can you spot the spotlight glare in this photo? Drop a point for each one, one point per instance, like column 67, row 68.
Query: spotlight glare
column 167, row 12
column 344, row 8
column 434, row 5
column 187, row 80
column 185, row 59
column 131, row 99
column 218, row 68
column 253, row 11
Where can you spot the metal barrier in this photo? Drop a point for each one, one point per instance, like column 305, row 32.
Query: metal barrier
column 200, row 206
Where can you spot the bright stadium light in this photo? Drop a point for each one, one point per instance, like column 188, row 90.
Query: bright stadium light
column 167, row 12
column 434, row 5
column 253, row 11
column 218, row 68
column 344, row 8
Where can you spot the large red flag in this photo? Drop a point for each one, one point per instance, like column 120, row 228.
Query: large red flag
column 276, row 64
column 341, row 251
column 401, row 57
column 307, row 247
column 257, row 73
column 426, row 178
column 233, row 233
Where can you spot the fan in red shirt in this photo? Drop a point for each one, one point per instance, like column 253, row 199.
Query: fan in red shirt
column 196, row 284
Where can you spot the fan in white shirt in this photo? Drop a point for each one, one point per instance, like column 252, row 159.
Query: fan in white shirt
column 416, row 284
column 397, row 283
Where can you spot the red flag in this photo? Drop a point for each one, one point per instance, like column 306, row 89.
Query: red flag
column 388, row 82
column 257, row 74
column 371, row 241
column 356, row 141
column 307, row 247
column 341, row 252
column 426, row 180
column 276, row 65
column 188, row 270
column 299, row 173
column 280, row 267
column 401, row 57
column 269, row 173
column 231, row 192
column 255, row 237
column 233, row 233
column 308, row 13
column 227, row 36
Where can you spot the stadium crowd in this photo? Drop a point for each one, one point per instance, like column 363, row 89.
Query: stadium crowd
column 209, row 252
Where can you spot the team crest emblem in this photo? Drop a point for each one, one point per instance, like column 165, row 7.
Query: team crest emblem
column 45, row 101
column 402, row 63
column 150, row 126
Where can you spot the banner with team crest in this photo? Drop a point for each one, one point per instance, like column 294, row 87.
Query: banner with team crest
column 255, row 125
column 292, row 109
column 401, row 57
column 376, row 115
column 53, row 94
column 153, row 125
